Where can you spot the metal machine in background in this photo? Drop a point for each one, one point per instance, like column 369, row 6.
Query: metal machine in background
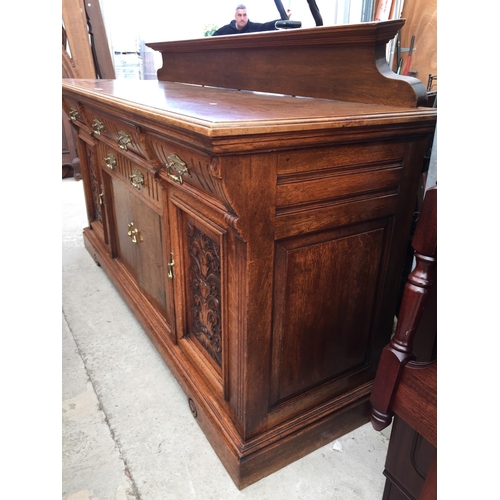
column 285, row 23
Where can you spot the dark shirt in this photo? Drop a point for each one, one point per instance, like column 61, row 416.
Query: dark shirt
column 230, row 29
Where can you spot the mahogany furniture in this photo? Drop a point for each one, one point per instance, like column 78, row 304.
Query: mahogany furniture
column 259, row 237
column 406, row 387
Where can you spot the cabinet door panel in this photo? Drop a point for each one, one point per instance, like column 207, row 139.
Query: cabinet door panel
column 93, row 184
column 139, row 236
column 200, row 274
column 325, row 301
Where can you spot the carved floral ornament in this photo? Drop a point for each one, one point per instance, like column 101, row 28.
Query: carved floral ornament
column 204, row 282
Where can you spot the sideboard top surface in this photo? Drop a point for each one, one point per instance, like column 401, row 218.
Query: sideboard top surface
column 219, row 112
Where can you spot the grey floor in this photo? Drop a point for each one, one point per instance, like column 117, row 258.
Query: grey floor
column 127, row 431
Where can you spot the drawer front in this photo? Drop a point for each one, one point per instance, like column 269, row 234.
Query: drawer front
column 75, row 111
column 123, row 134
column 324, row 159
column 136, row 176
column 336, row 173
column 184, row 165
column 337, row 186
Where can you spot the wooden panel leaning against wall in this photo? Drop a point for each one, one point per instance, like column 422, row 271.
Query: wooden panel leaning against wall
column 421, row 22
column 85, row 54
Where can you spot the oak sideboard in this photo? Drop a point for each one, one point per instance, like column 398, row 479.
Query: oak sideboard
column 253, row 207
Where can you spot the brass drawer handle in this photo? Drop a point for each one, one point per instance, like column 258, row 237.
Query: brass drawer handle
column 170, row 266
column 74, row 114
column 97, row 126
column 136, row 179
column 133, row 232
column 123, row 140
column 174, row 162
column 110, row 161
column 101, row 198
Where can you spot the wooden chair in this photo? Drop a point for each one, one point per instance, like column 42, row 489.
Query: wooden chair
column 403, row 386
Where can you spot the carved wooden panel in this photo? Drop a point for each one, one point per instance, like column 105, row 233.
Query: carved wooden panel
column 204, row 281
column 200, row 272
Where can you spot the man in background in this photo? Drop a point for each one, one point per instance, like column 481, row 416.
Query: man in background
column 241, row 24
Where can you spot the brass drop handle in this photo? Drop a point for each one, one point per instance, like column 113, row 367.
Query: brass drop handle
column 110, row 161
column 97, row 126
column 74, row 114
column 123, row 140
column 133, row 232
column 170, row 266
column 174, row 162
column 101, row 198
column 136, row 179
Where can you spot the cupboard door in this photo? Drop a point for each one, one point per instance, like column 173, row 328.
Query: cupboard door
column 200, row 281
column 139, row 236
column 88, row 152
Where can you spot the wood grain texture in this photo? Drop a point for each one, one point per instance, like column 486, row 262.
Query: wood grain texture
column 421, row 22
column 75, row 23
column 405, row 387
column 344, row 62
column 269, row 271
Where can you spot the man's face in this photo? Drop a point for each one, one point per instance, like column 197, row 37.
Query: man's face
column 241, row 18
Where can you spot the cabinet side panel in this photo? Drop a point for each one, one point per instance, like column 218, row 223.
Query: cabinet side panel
column 325, row 298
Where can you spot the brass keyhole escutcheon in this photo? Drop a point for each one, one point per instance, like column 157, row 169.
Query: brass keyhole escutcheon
column 136, row 179
column 133, row 232
column 110, row 161
column 175, row 164
column 170, row 267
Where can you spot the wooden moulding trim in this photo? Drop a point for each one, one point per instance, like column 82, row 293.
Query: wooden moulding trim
column 401, row 119
column 362, row 33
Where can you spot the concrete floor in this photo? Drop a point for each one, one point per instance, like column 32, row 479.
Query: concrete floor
column 127, row 431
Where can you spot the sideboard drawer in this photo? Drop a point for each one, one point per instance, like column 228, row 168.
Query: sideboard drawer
column 135, row 176
column 182, row 164
column 125, row 135
column 74, row 111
